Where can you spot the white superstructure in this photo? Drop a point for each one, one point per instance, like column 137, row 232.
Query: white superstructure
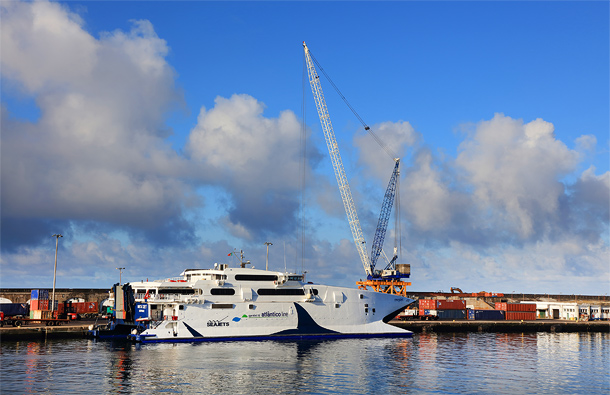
column 237, row 303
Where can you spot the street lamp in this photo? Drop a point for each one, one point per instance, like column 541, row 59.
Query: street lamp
column 120, row 269
column 57, row 236
column 267, row 243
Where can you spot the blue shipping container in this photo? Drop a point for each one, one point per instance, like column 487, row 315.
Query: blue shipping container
column 40, row 294
column 489, row 315
column 451, row 314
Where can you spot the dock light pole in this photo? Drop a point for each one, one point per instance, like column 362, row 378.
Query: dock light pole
column 120, row 269
column 267, row 243
column 57, row 236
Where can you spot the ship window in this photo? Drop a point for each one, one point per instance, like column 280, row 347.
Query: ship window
column 314, row 291
column 255, row 277
column 295, row 278
column 280, row 291
column 181, row 307
column 222, row 306
column 222, row 291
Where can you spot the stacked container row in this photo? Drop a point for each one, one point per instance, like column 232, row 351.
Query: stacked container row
column 524, row 307
column 40, row 294
column 39, row 304
column 488, row 315
column 451, row 314
column 427, row 304
column 78, row 307
column 518, row 311
column 451, row 304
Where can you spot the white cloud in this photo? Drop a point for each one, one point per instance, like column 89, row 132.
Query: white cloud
column 515, row 168
column 257, row 159
column 396, row 137
column 98, row 150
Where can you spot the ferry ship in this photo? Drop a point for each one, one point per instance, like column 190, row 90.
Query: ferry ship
column 224, row 303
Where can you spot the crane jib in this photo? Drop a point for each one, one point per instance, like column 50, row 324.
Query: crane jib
column 331, row 142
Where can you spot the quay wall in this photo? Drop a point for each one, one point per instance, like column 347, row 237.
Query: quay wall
column 22, row 295
column 552, row 326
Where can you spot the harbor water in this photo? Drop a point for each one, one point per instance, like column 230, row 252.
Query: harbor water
column 465, row 363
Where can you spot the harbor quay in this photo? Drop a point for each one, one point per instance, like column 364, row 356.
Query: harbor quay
column 78, row 330
column 545, row 320
column 552, row 326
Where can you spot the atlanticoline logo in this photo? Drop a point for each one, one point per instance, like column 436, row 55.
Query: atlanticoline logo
column 266, row 314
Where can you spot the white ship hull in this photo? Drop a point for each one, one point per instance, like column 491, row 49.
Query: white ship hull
column 265, row 309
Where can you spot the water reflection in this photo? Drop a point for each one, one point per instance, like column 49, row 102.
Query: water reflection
column 428, row 363
column 120, row 368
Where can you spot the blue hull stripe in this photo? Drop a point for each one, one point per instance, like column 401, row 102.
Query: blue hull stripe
column 324, row 336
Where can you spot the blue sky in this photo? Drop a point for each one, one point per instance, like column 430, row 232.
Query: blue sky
column 162, row 135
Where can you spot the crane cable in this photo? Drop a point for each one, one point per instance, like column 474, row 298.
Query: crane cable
column 366, row 127
column 397, row 225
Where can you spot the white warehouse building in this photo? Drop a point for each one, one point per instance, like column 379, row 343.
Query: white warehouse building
column 570, row 311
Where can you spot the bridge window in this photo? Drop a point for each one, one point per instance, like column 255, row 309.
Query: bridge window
column 255, row 277
column 222, row 291
column 280, row 291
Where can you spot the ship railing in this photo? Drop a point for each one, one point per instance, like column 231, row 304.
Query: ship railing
column 161, row 297
column 176, row 279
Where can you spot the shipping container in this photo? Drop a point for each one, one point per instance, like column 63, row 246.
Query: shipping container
column 39, row 305
column 523, row 307
column 39, row 294
column 427, row 312
column 451, row 304
column 427, row 304
column 451, row 314
column 489, row 315
column 14, row 309
column 520, row 315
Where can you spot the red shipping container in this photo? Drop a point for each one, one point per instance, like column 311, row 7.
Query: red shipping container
column 525, row 307
column 520, row 315
column 427, row 304
column 34, row 304
column 451, row 304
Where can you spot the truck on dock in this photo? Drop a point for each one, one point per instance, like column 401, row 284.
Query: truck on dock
column 13, row 312
column 19, row 320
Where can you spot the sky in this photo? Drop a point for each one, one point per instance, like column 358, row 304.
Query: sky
column 160, row 136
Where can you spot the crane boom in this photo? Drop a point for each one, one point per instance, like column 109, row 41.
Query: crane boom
column 384, row 217
column 333, row 149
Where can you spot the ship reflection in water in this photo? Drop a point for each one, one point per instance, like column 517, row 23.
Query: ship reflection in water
column 543, row 363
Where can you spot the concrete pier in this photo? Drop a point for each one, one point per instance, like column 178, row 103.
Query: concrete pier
column 504, row 326
column 39, row 332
